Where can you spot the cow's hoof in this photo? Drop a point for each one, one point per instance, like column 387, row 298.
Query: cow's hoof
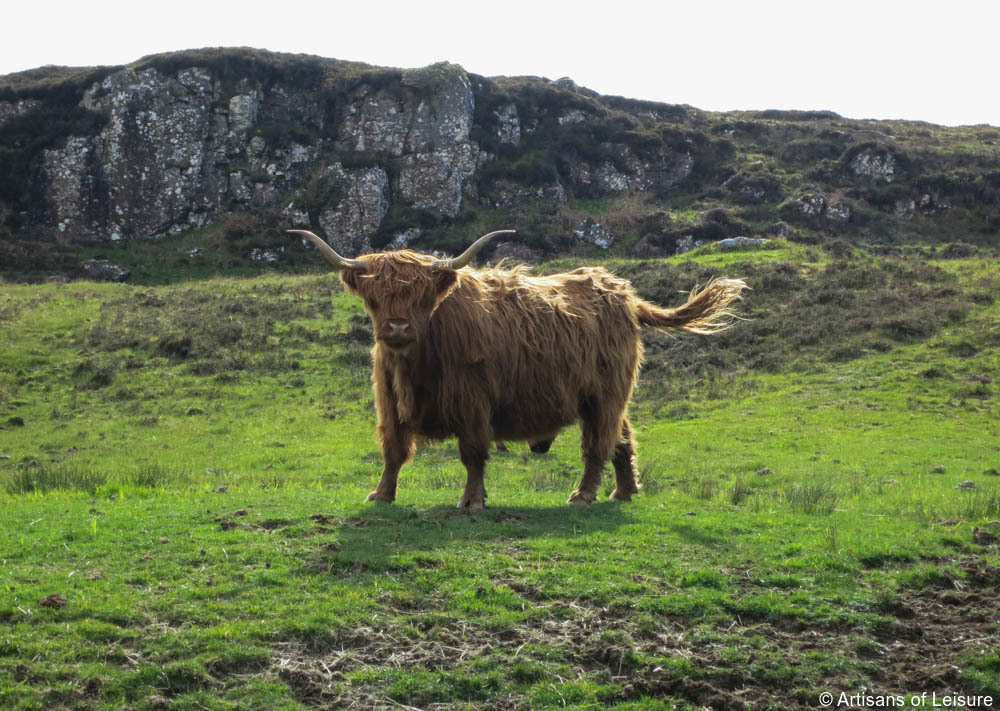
column 379, row 496
column 582, row 499
column 471, row 505
column 623, row 495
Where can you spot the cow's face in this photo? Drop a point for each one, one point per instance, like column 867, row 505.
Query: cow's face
column 400, row 290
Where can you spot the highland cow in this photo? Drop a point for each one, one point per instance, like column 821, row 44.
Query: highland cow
column 498, row 354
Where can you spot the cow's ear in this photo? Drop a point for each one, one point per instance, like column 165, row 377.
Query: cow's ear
column 444, row 282
column 350, row 279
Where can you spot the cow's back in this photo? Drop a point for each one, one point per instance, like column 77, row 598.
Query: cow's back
column 533, row 348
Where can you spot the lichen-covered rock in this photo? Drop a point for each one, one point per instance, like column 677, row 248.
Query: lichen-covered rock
column 839, row 211
column 243, row 109
column 428, row 129
column 905, row 209
column 176, row 151
column 507, row 194
column 297, row 217
column 663, row 171
column 402, row 240
column 153, row 153
column 350, row 224
column 375, row 122
column 74, row 202
column 181, row 141
column 932, row 203
column 928, row 204
column 270, row 256
column 104, row 270
column 741, row 242
column 811, row 205
column 168, row 148
column 434, row 181
column 594, row 233
column 508, row 125
column 687, row 242
column 875, row 162
column 14, row 109
column 574, row 116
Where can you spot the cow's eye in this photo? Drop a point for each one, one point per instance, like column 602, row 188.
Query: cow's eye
column 371, row 304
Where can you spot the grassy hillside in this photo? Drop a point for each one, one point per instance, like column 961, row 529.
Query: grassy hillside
column 182, row 469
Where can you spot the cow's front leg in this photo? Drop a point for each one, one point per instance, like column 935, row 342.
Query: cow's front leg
column 474, row 456
column 586, row 492
column 397, row 447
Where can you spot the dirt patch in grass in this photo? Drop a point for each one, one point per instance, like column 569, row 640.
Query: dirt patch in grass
column 937, row 626
column 777, row 664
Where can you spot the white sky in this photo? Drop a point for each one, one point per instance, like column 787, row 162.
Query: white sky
column 929, row 61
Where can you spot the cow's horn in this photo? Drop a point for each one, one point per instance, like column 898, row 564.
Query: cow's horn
column 466, row 256
column 327, row 251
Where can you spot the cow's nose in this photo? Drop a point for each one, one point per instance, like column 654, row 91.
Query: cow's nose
column 398, row 327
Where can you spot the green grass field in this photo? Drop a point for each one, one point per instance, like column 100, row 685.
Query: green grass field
column 183, row 468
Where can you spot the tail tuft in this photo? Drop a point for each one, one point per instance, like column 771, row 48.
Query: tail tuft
column 706, row 310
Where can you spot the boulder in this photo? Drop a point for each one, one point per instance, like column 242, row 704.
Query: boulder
column 733, row 243
column 594, row 233
column 688, row 242
column 875, row 162
column 811, row 205
column 104, row 270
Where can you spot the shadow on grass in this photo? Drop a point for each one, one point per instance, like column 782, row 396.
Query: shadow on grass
column 693, row 534
column 395, row 538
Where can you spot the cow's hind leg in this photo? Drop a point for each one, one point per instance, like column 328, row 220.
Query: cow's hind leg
column 625, row 469
column 474, row 458
column 601, row 428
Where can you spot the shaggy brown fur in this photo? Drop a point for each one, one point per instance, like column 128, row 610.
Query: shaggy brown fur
column 497, row 354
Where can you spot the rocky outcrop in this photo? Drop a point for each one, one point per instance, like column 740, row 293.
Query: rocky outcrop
column 179, row 148
column 877, row 163
column 172, row 155
column 426, row 129
column 835, row 210
column 628, row 172
column 376, row 158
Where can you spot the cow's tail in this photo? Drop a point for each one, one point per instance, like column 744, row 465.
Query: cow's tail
column 705, row 311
